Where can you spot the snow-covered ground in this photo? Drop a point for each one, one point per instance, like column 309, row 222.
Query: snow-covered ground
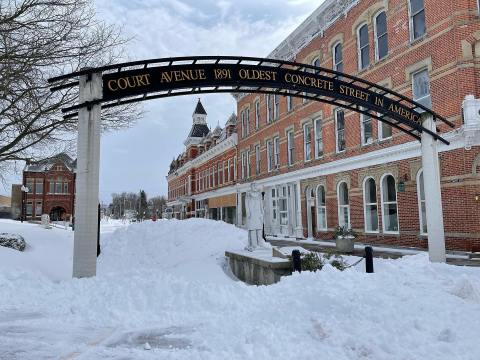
column 166, row 284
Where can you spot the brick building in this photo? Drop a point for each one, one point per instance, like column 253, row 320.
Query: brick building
column 201, row 179
column 51, row 188
column 321, row 166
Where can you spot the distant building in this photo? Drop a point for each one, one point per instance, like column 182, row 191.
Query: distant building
column 201, row 179
column 51, row 188
column 5, row 206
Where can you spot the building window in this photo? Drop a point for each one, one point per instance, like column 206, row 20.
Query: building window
column 29, row 208
column 270, row 111
column 384, row 130
column 307, row 142
column 421, row 203
column 338, row 57
column 417, row 19
column 389, row 204
column 257, row 114
column 65, row 187
column 340, row 130
column 289, row 101
column 283, row 205
column 321, row 208
column 366, row 129
column 29, row 184
column 219, row 173
column 290, row 147
column 363, row 47
column 228, row 171
column 381, row 36
column 244, row 164
column 248, row 163
column 421, row 88
column 270, row 160
column 318, row 138
column 39, row 186
column 257, row 159
column 276, row 152
column 59, row 186
column 276, row 100
column 38, row 209
column 234, row 168
column 247, row 121
column 343, row 205
column 274, row 205
column 370, row 209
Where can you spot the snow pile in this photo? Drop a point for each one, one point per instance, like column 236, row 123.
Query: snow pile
column 161, row 293
column 192, row 248
column 12, row 241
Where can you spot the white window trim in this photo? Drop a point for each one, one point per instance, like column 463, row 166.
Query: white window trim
column 276, row 152
column 419, row 173
column 257, row 159
column 257, row 114
column 336, row 111
column 383, row 204
column 305, row 159
column 362, row 130
column 270, row 150
column 429, row 84
column 315, row 137
column 290, row 146
column 365, row 206
column 375, row 35
column 276, row 103
column 248, row 163
column 381, row 137
column 410, row 22
column 334, row 46
column 324, row 207
column 359, row 49
column 342, row 206
column 289, row 101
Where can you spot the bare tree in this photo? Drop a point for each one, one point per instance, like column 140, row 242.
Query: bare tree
column 40, row 39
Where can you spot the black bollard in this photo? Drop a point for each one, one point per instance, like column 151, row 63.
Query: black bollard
column 369, row 259
column 296, row 261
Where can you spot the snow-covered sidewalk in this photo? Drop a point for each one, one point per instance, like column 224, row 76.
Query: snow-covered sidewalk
column 166, row 284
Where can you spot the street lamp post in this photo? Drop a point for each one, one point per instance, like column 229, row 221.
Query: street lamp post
column 24, row 195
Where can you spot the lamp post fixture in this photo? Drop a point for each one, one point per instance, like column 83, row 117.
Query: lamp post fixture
column 25, row 190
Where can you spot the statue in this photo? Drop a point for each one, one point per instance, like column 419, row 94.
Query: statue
column 255, row 215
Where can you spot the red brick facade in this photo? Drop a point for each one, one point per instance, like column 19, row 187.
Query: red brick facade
column 449, row 52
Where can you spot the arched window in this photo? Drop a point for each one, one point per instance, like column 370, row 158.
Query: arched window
column 370, row 209
column 343, row 205
column 389, row 204
column 381, row 36
column 363, row 47
column 321, row 208
column 421, row 203
column 338, row 57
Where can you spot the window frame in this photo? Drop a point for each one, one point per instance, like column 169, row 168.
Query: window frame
column 307, row 156
column 335, row 114
column 290, row 147
column 323, row 207
column 257, row 159
column 411, row 15
column 339, row 206
column 412, row 77
column 289, row 101
column 367, row 204
column 377, row 37
column 362, row 130
column 318, row 139
column 383, row 203
column 360, row 48
column 270, row 160
column 257, row 114
column 276, row 152
column 335, row 65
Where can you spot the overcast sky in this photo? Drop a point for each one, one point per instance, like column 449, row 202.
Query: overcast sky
column 138, row 158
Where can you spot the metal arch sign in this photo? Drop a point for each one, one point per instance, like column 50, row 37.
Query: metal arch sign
column 179, row 76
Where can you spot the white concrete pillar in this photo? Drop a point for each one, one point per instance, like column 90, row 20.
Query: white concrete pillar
column 298, row 200
column 433, row 194
column 88, row 164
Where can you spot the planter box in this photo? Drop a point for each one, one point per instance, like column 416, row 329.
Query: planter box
column 345, row 244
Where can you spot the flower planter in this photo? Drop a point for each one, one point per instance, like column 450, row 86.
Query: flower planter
column 345, row 244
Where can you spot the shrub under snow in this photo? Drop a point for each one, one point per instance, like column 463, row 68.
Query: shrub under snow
column 12, row 241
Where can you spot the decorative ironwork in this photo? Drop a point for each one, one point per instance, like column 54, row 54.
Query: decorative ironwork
column 157, row 78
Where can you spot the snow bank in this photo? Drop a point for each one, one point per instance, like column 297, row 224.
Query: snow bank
column 163, row 284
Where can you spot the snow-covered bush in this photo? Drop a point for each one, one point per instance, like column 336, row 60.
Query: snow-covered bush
column 12, row 241
column 313, row 261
